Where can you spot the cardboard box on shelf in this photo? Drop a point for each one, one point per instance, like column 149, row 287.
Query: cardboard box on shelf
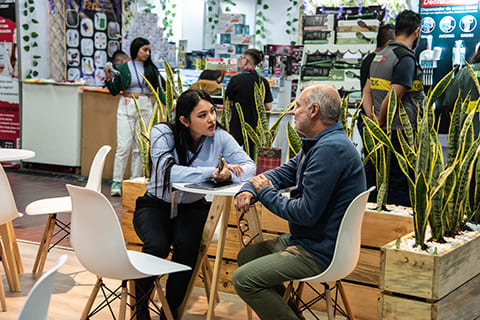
column 318, row 37
column 244, row 39
column 356, row 37
column 367, row 25
column 240, row 48
column 319, row 22
column 225, row 38
column 242, row 28
column 224, row 49
column 232, row 18
column 225, row 27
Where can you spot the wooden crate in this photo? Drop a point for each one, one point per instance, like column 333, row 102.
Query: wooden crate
column 462, row 303
column 442, row 286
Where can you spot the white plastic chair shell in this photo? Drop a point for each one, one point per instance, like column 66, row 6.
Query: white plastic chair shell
column 98, row 241
column 8, row 208
column 347, row 246
column 64, row 204
column 38, row 300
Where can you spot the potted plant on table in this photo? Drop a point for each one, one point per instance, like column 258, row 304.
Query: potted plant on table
column 265, row 156
column 434, row 284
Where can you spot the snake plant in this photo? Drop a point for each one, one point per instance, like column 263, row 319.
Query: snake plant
column 438, row 191
column 159, row 115
column 262, row 135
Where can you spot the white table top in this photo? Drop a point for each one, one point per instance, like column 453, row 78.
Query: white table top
column 15, row 154
column 222, row 191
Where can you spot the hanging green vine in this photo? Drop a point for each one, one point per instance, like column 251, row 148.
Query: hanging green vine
column 292, row 21
column 168, row 10
column 30, row 37
column 212, row 18
column 260, row 20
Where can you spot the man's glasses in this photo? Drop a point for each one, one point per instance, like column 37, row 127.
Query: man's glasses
column 247, row 239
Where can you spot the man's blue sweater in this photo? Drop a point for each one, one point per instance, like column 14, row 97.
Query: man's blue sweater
column 326, row 175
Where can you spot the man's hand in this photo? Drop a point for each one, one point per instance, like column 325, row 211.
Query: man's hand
column 260, row 182
column 243, row 201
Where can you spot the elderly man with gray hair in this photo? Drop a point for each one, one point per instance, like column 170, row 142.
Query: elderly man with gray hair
column 325, row 176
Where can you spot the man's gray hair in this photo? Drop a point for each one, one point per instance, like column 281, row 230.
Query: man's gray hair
column 328, row 101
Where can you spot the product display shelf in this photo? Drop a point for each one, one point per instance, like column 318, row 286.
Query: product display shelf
column 346, row 84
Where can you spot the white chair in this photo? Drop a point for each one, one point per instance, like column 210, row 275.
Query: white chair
column 10, row 258
column 98, row 242
column 38, row 300
column 345, row 258
column 52, row 206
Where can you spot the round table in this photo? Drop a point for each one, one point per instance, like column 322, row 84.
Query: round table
column 15, row 154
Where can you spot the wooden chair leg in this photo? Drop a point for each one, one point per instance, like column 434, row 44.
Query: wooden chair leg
column 16, row 251
column 328, row 299
column 5, row 267
column 123, row 301
column 348, row 308
column 44, row 245
column 8, row 238
column 91, row 299
column 3, row 302
column 133, row 300
column 163, row 300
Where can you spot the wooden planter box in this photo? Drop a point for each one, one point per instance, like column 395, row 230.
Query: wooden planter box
column 424, row 286
column 362, row 286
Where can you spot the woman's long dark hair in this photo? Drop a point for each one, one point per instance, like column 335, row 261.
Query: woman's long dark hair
column 183, row 141
column 151, row 70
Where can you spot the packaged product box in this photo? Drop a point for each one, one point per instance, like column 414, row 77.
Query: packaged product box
column 225, row 27
column 318, row 37
column 240, row 48
column 182, row 60
column 242, row 39
column 224, row 49
column 356, row 37
column 225, row 38
column 217, row 64
column 232, row 18
column 246, row 29
column 367, row 25
column 238, row 28
column 319, row 22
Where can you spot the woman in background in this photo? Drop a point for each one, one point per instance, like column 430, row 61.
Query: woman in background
column 209, row 81
column 134, row 86
column 186, row 150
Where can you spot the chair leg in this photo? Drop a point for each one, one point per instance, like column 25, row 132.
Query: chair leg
column 5, row 267
column 133, row 300
column 163, row 300
column 44, row 245
column 123, row 301
column 91, row 299
column 8, row 239
column 3, row 301
column 328, row 299
column 16, row 251
column 348, row 308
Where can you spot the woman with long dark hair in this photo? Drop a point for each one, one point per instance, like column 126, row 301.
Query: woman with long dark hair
column 185, row 150
column 129, row 80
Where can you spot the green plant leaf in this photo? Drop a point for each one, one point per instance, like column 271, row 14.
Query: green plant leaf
column 294, row 141
column 31, row 9
column 35, row 73
column 35, row 44
column 34, row 35
column 25, row 26
column 35, row 63
column 265, row 6
column 26, row 48
column 398, row 242
column 26, row 38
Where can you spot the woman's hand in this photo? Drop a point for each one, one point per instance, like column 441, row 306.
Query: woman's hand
column 235, row 168
column 222, row 175
column 108, row 76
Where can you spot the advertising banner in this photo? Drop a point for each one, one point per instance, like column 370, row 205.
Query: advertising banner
column 9, row 108
column 450, row 29
column 93, row 34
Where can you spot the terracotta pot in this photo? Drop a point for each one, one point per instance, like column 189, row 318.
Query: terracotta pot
column 268, row 158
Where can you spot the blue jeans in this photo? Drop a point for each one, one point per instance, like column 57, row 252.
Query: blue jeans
column 264, row 267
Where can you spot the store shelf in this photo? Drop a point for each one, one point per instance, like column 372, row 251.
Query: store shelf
column 343, row 48
column 346, row 85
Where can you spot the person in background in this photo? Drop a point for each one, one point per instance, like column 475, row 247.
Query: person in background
column 385, row 33
column 209, row 81
column 119, row 57
column 241, row 89
column 325, row 176
column 134, row 87
column 186, row 150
